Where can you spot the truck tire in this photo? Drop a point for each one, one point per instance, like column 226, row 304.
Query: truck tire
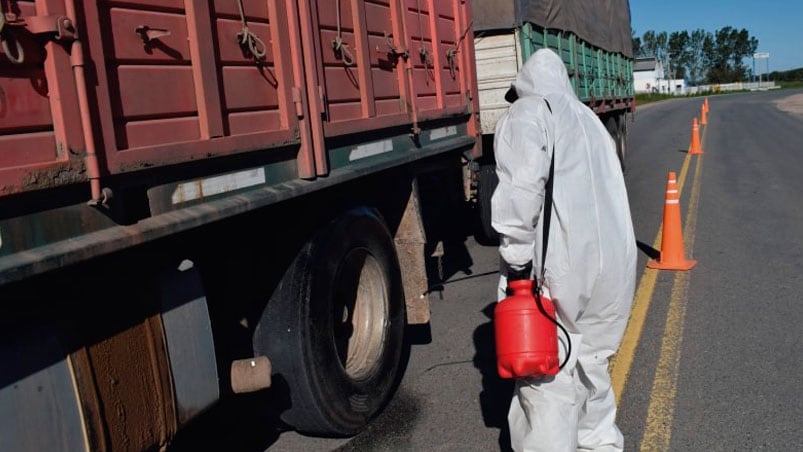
column 612, row 125
column 486, row 234
column 621, row 142
column 333, row 328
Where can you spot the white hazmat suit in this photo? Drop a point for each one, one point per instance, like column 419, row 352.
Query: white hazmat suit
column 590, row 260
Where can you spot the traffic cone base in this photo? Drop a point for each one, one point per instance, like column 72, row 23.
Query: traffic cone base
column 682, row 265
column 672, row 253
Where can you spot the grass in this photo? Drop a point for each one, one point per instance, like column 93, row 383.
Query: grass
column 646, row 98
column 791, row 85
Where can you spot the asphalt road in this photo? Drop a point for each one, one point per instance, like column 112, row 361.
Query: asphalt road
column 716, row 361
column 739, row 352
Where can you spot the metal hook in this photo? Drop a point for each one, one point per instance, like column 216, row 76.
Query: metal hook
column 148, row 34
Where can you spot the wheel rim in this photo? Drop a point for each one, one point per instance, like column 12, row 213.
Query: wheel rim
column 360, row 314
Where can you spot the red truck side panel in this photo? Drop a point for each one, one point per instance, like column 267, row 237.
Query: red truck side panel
column 465, row 47
column 170, row 81
column 386, row 83
column 363, row 79
column 177, row 85
column 435, row 28
column 421, row 53
column 40, row 132
column 360, row 80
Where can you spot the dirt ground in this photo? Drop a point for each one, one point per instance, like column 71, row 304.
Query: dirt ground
column 791, row 104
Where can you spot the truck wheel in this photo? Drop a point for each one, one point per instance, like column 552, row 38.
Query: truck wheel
column 486, row 234
column 621, row 143
column 333, row 328
column 613, row 129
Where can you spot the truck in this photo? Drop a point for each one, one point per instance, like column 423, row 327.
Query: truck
column 594, row 41
column 201, row 199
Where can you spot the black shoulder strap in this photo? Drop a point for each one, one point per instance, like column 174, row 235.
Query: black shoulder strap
column 547, row 215
column 547, row 207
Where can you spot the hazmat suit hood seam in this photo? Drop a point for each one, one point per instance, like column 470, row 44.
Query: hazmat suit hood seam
column 543, row 73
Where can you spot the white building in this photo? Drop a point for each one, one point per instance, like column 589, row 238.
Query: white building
column 648, row 77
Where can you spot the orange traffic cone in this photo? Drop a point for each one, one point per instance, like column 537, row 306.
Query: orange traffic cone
column 672, row 253
column 703, row 120
column 695, row 147
column 705, row 103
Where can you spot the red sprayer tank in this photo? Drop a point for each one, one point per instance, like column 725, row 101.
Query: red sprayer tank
column 526, row 339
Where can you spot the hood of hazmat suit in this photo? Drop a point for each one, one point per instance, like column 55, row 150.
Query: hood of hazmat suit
column 591, row 255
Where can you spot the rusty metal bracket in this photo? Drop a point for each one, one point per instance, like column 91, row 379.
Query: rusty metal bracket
column 61, row 26
column 392, row 50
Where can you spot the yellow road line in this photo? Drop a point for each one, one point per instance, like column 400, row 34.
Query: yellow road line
column 623, row 360
column 684, row 170
column 660, row 414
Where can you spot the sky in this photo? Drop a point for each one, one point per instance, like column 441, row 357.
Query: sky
column 777, row 24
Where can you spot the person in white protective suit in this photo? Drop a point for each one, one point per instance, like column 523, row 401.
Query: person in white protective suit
column 590, row 258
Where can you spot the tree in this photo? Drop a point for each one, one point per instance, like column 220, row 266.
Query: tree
column 678, row 53
column 637, row 51
column 699, row 55
column 727, row 54
column 791, row 75
column 654, row 44
column 698, row 61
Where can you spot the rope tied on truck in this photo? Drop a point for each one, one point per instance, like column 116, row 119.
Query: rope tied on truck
column 341, row 48
column 423, row 52
column 248, row 39
column 452, row 53
column 4, row 41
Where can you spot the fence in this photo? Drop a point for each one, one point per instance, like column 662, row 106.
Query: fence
column 737, row 86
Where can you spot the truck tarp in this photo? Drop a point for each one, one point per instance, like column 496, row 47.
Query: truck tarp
column 602, row 23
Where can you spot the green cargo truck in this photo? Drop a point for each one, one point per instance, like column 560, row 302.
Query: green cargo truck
column 592, row 38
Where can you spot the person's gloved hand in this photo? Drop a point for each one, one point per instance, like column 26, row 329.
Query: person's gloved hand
column 518, row 272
